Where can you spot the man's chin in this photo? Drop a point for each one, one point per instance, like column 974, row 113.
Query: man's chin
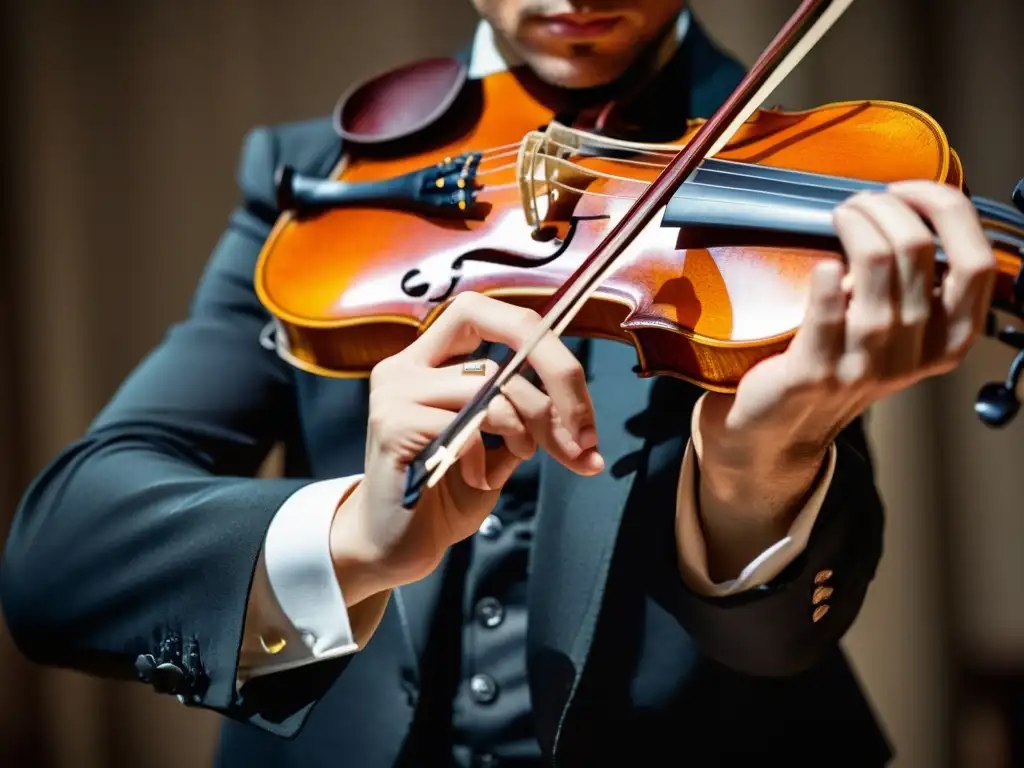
column 577, row 74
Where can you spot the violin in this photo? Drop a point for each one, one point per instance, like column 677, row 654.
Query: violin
column 698, row 251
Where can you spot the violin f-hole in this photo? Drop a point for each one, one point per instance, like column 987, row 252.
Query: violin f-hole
column 419, row 290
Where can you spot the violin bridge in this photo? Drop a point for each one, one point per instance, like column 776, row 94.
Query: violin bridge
column 526, row 163
column 543, row 155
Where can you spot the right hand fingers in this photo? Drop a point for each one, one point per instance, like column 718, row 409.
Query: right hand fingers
column 405, row 429
column 472, row 318
column 522, row 415
column 402, row 429
column 542, row 421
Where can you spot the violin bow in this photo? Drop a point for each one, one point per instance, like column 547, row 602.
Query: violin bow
column 801, row 33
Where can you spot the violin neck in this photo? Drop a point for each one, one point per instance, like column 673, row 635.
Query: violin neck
column 792, row 208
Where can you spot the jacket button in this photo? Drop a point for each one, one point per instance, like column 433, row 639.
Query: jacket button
column 490, row 612
column 167, row 678
column 145, row 664
column 483, row 688
column 491, row 527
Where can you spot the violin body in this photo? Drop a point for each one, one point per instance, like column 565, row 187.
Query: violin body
column 363, row 262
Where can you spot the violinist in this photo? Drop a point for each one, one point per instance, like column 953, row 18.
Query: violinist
column 638, row 570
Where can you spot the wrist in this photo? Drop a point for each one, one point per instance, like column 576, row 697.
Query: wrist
column 754, row 467
column 743, row 512
column 760, row 486
column 356, row 566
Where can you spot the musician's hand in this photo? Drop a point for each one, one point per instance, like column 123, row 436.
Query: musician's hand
column 414, row 395
column 870, row 330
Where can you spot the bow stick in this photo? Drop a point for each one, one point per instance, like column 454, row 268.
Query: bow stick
column 801, row 33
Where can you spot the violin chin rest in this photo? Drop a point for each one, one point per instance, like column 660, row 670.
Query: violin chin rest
column 1018, row 195
column 399, row 103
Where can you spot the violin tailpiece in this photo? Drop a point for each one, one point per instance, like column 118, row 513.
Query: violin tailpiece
column 447, row 189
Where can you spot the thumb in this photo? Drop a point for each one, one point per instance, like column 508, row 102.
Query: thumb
column 819, row 342
column 486, row 470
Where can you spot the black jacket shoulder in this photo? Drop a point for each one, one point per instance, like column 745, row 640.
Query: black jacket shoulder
column 310, row 146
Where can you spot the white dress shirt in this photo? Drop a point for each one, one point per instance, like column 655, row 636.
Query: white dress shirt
column 296, row 614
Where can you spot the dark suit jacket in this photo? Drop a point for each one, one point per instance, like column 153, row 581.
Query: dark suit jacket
column 139, row 542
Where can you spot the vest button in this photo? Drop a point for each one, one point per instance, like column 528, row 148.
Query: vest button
column 483, row 688
column 490, row 612
column 491, row 527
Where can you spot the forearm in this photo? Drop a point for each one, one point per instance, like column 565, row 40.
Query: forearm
column 743, row 513
column 124, row 549
column 750, row 490
column 769, row 617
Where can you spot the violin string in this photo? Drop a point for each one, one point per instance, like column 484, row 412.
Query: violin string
column 625, row 160
column 754, row 172
column 498, row 155
column 595, row 146
column 593, row 142
column 509, row 166
column 809, row 198
column 498, row 169
column 993, row 234
column 513, row 146
column 738, row 170
column 508, row 150
column 562, row 162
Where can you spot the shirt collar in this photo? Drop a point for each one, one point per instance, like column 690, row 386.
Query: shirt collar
column 487, row 60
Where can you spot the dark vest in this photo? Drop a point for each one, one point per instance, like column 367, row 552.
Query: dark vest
column 491, row 711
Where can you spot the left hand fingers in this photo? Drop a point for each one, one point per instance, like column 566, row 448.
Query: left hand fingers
column 968, row 286
column 870, row 312
column 912, row 250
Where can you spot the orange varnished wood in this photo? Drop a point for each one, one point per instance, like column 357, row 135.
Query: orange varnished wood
column 706, row 314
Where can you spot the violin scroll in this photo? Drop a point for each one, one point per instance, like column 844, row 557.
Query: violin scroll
column 997, row 403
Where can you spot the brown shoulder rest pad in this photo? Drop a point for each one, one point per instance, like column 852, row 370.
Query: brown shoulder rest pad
column 399, row 103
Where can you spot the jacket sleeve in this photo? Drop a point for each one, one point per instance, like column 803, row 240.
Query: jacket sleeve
column 791, row 623
column 132, row 554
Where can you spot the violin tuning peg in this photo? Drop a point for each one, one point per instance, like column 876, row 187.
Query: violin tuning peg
column 1018, row 195
column 997, row 403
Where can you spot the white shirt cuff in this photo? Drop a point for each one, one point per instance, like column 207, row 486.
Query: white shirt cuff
column 763, row 568
column 297, row 613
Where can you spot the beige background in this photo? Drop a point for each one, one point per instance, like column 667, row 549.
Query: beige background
column 122, row 131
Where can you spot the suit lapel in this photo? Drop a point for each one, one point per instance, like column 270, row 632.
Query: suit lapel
column 577, row 526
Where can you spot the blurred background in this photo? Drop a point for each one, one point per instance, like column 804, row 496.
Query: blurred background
column 122, row 124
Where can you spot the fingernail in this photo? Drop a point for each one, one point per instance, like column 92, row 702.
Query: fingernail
column 587, row 438
column 570, row 445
